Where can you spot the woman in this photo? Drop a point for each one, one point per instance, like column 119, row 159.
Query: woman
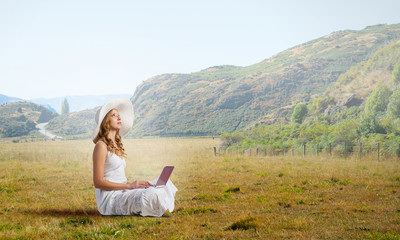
column 114, row 195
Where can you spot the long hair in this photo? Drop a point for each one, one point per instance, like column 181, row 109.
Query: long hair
column 103, row 136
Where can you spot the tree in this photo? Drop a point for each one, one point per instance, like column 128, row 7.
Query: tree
column 394, row 103
column 345, row 131
column 396, row 73
column 299, row 113
column 369, row 125
column 64, row 107
column 378, row 100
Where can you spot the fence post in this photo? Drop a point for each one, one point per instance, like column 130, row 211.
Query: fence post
column 345, row 150
column 317, row 149
column 304, row 149
column 379, row 146
column 257, row 152
column 215, row 151
column 398, row 152
column 330, row 149
column 360, row 150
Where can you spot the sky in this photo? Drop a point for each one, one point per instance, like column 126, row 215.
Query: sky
column 94, row 47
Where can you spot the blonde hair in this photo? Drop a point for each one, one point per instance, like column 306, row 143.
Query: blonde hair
column 103, row 136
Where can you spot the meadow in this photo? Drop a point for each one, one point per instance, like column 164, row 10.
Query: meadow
column 46, row 192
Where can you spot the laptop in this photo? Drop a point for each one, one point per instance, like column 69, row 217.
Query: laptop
column 165, row 174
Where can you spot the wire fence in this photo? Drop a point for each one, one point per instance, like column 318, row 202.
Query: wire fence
column 378, row 151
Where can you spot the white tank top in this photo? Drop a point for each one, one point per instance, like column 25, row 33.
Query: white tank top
column 114, row 168
column 114, row 171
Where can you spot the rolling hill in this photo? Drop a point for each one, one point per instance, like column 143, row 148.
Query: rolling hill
column 228, row 98
column 74, row 125
column 20, row 118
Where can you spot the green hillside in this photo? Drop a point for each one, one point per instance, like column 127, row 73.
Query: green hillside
column 19, row 118
column 361, row 109
column 229, row 98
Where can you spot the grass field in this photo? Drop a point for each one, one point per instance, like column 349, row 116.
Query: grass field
column 46, row 192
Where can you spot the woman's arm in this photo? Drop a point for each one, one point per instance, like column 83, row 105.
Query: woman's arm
column 99, row 159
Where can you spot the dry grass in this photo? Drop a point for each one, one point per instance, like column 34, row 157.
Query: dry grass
column 46, row 191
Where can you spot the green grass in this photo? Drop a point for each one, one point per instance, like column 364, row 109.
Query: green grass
column 46, row 192
column 196, row 210
column 244, row 224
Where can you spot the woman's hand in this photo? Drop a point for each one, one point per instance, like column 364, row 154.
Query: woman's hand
column 139, row 184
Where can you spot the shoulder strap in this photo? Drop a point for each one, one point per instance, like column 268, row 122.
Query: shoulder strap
column 101, row 142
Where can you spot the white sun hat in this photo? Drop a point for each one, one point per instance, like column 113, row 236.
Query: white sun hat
column 125, row 110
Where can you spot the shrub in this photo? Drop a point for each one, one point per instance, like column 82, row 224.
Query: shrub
column 230, row 139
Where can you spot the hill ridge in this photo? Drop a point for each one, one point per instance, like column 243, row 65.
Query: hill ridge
column 227, row 98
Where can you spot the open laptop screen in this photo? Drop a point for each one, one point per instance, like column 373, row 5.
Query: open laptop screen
column 165, row 174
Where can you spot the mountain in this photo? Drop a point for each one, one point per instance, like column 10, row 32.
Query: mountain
column 229, row 98
column 77, row 103
column 6, row 99
column 19, row 118
column 331, row 72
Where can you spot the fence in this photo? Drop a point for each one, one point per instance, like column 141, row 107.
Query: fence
column 377, row 151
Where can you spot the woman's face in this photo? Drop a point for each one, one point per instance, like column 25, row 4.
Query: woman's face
column 115, row 120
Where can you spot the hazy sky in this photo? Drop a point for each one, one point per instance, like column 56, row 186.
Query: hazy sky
column 58, row 48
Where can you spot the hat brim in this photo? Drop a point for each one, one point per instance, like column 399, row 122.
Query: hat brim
column 125, row 110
